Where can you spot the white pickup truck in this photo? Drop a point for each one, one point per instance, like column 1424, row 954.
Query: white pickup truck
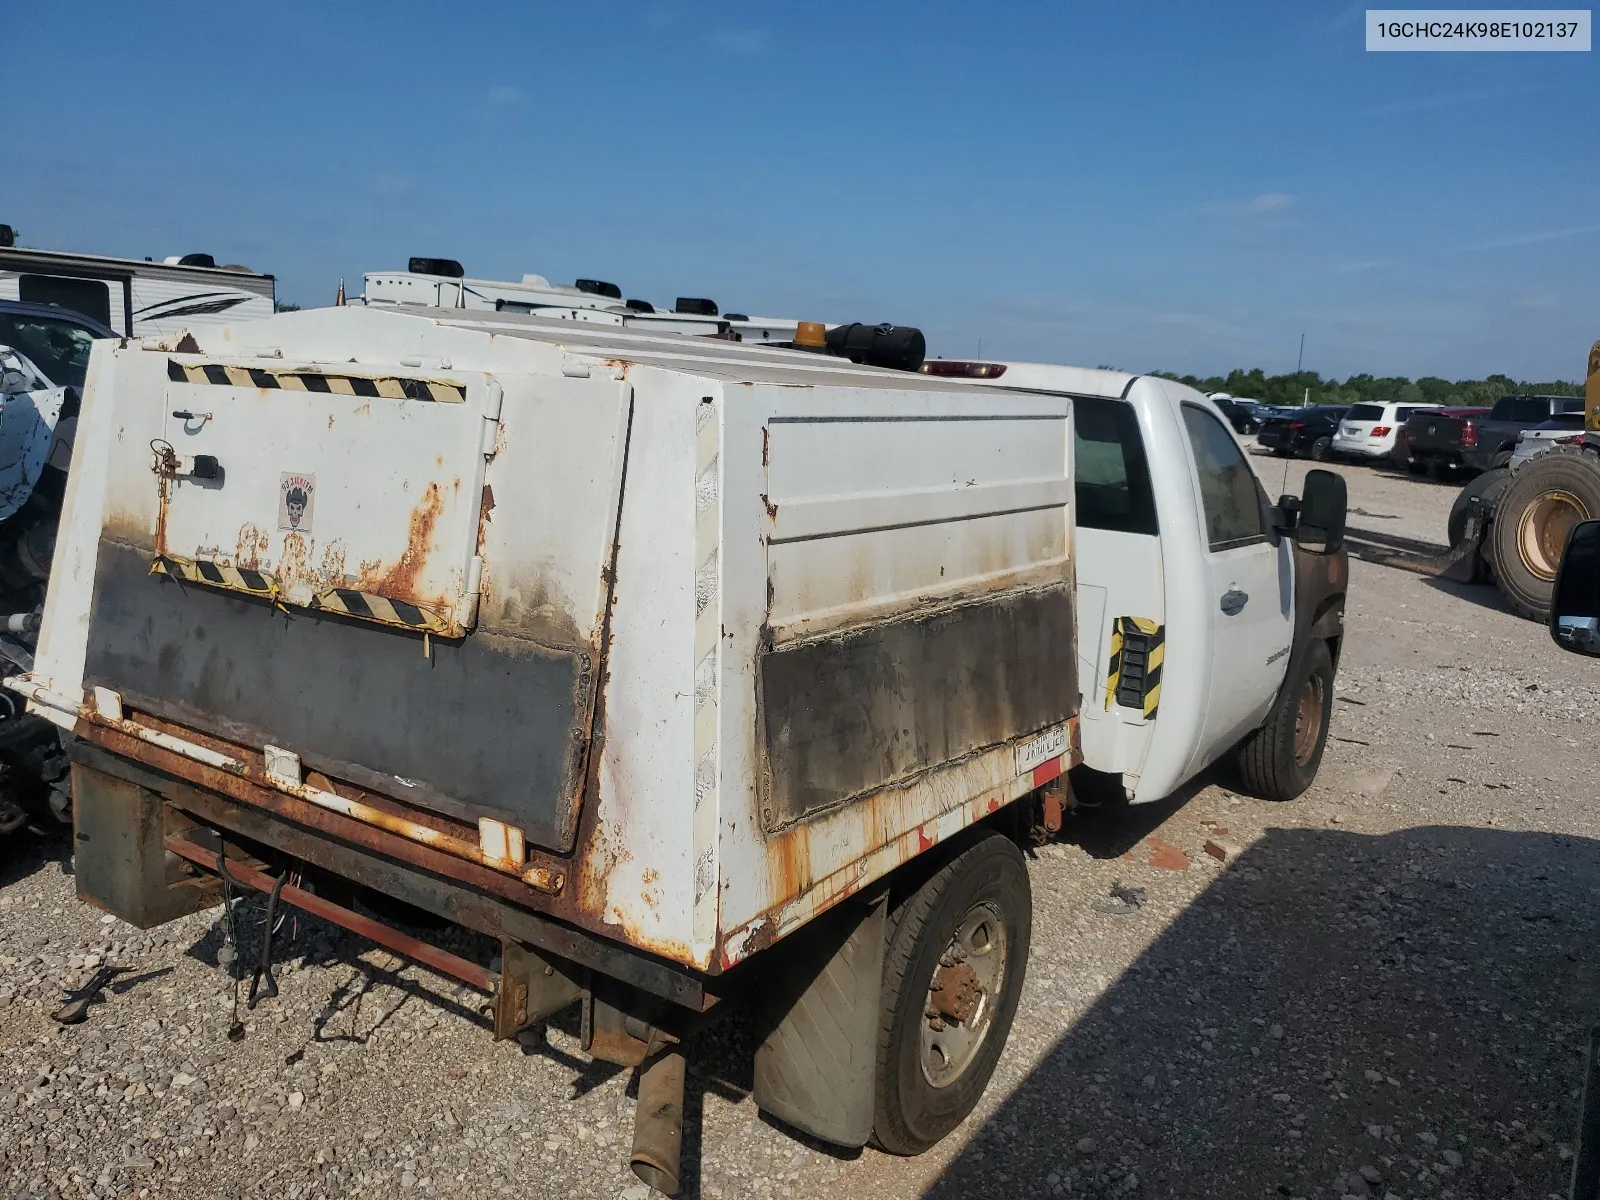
column 692, row 673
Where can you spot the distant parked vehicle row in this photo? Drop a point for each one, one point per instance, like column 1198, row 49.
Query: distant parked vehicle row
column 1308, row 431
column 1558, row 430
column 1371, row 430
column 1443, row 441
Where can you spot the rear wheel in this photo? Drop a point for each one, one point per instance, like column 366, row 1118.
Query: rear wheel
column 952, row 976
column 1544, row 500
column 1322, row 449
column 1489, row 485
column 1279, row 760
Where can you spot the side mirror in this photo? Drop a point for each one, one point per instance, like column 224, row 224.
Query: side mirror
column 1322, row 512
column 1575, row 604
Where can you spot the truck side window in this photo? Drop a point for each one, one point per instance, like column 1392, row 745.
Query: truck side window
column 1112, row 478
column 1228, row 489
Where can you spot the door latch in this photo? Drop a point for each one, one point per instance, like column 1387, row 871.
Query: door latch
column 1233, row 601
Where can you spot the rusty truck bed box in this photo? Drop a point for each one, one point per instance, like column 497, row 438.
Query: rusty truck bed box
column 680, row 640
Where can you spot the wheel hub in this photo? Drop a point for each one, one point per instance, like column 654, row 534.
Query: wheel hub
column 1542, row 531
column 961, row 996
column 1307, row 720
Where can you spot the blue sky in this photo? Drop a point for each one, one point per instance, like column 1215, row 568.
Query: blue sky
column 1154, row 186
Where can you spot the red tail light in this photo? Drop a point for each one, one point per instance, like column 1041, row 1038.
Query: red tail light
column 1569, row 441
column 1469, row 434
column 1380, row 431
column 1297, row 424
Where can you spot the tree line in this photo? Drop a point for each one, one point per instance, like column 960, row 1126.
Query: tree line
column 1291, row 389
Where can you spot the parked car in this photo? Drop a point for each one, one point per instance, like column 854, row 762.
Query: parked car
column 44, row 354
column 1307, row 431
column 1241, row 414
column 1402, row 457
column 1443, row 442
column 1560, row 428
column 1370, row 430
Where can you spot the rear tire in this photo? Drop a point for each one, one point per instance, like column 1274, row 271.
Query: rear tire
column 1321, row 449
column 1280, row 760
column 1544, row 500
column 1489, row 485
column 928, row 1080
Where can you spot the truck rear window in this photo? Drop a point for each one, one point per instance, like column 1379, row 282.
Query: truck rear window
column 1112, row 480
column 1365, row 412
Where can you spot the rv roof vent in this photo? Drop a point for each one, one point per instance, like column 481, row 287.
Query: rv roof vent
column 197, row 260
column 641, row 306
column 737, row 316
column 599, row 287
column 448, row 267
column 535, row 281
column 695, row 307
column 8, row 236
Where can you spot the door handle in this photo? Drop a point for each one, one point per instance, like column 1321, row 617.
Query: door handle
column 1233, row 601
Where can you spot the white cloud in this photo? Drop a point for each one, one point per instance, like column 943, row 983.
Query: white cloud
column 1526, row 239
column 390, row 185
column 506, row 93
column 1267, row 204
column 740, row 41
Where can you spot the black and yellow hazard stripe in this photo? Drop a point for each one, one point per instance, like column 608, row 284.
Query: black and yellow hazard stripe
column 387, row 387
column 239, row 579
column 1138, row 650
column 369, row 606
column 349, row 602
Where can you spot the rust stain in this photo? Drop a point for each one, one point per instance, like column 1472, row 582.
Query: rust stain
column 772, row 509
column 295, row 564
column 400, row 581
column 789, row 864
column 247, row 552
column 330, row 420
column 333, row 561
column 485, row 507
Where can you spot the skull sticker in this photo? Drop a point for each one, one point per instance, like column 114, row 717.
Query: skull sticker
column 296, row 494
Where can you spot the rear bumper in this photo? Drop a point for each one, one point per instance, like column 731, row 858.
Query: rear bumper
column 1361, row 447
column 1480, row 458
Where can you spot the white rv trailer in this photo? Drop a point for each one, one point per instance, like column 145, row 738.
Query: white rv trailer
column 137, row 297
column 440, row 283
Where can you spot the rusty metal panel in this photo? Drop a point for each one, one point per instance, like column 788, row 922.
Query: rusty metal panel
column 488, row 726
column 850, row 714
column 359, row 495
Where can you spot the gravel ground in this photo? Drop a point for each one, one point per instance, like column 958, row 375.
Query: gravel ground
column 1383, row 992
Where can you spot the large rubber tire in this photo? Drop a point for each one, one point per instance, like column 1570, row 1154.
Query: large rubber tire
column 1321, row 450
column 1279, row 760
column 1546, row 497
column 1489, row 485
column 910, row 1114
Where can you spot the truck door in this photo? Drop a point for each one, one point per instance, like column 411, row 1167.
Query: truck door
column 1251, row 587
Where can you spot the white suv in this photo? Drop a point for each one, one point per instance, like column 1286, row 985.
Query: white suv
column 1368, row 430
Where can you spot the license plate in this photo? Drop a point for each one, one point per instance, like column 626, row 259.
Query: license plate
column 1041, row 748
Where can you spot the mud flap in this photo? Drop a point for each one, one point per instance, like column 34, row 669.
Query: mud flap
column 815, row 1070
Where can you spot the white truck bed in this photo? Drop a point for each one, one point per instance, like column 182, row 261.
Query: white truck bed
column 676, row 639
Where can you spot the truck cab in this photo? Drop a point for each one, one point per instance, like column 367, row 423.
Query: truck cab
column 696, row 674
column 1208, row 622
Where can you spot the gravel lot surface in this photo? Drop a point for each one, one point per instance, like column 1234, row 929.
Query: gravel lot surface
column 1383, row 992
